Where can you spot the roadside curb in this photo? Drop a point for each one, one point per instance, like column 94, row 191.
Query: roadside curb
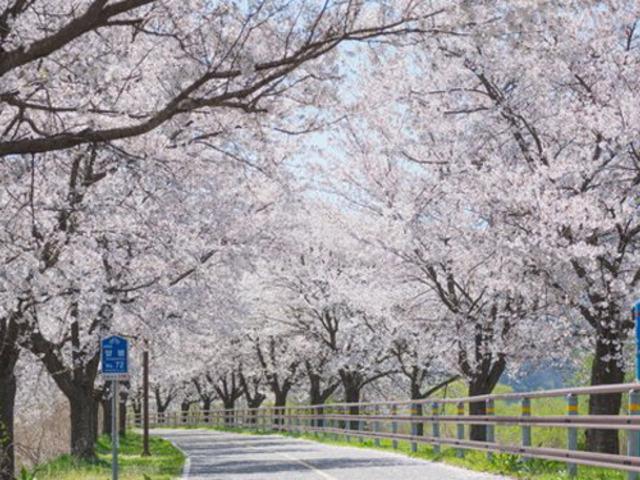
column 186, row 469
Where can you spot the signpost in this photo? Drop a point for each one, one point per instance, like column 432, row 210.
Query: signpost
column 114, row 354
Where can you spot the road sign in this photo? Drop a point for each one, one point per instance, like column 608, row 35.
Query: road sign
column 114, row 352
column 115, row 356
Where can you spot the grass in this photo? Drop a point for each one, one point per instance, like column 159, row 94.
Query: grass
column 502, row 464
column 165, row 462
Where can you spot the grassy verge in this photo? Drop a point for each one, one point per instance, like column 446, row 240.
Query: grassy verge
column 165, row 462
column 503, row 464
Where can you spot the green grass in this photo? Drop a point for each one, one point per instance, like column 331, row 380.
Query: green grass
column 503, row 464
column 165, row 462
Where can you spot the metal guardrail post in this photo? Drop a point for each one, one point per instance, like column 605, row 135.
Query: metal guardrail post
column 435, row 427
column 460, row 429
column 347, row 424
column 572, row 432
column 309, row 422
column 360, row 424
column 633, row 436
column 491, row 429
column 526, row 429
column 332, row 423
column 394, row 426
column 376, row 426
column 414, row 427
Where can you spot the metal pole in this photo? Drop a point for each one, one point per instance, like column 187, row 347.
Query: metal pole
column 145, row 402
column 526, row 429
column 572, row 433
column 376, row 426
column 394, row 426
column 114, row 429
column 460, row 428
column 414, row 427
column 633, row 437
column 435, row 427
column 490, row 407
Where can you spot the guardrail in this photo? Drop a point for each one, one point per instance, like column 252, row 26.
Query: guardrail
column 406, row 421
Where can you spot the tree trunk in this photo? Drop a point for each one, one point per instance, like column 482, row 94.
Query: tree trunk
column 418, row 426
column 417, row 408
column 185, row 406
column 280, row 402
column 319, row 396
column 9, row 353
column 96, row 415
column 315, row 398
column 7, row 404
column 605, row 369
column 482, row 385
column 122, row 417
column 229, row 406
column 352, row 395
column 83, row 413
column 137, row 411
column 106, row 416
column 206, row 408
column 253, row 404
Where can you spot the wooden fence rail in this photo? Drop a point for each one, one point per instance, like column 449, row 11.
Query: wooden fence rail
column 408, row 420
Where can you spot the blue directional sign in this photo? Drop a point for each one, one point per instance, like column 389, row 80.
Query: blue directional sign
column 115, row 356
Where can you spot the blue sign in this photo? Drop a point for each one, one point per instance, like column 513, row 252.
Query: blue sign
column 115, row 356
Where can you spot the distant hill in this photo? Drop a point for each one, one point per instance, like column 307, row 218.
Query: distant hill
column 540, row 378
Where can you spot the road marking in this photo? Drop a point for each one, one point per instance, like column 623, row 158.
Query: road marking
column 309, row 466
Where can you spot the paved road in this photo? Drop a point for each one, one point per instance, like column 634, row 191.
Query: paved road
column 229, row 456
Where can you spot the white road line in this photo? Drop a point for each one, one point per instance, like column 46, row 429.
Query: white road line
column 309, row 466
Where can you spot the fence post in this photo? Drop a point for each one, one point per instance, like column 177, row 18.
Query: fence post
column 376, row 426
column 394, row 426
column 435, row 427
column 633, row 436
column 572, row 432
column 526, row 429
column 491, row 429
column 460, row 429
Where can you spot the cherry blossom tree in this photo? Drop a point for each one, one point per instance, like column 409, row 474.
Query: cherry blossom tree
column 550, row 132
column 308, row 288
